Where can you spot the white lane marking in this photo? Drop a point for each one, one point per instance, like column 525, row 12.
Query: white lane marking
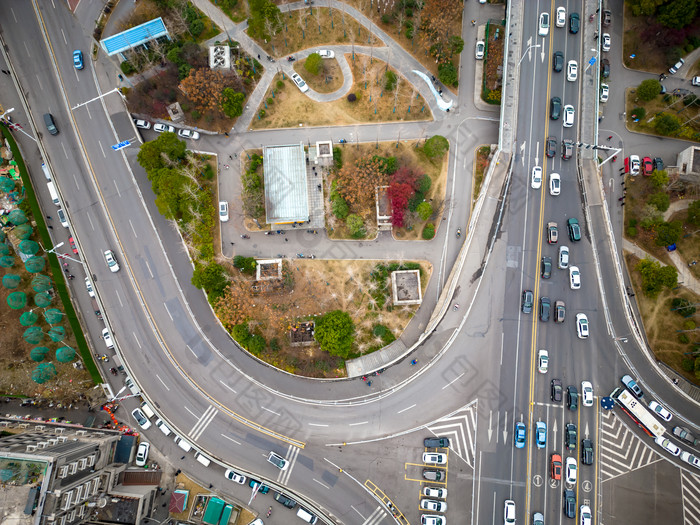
column 455, row 379
column 271, row 411
column 355, row 424
column 407, row 408
column 317, row 425
column 322, row 484
column 230, row 439
column 220, row 381
column 163, row 382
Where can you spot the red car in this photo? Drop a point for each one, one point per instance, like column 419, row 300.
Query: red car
column 647, row 166
column 556, row 466
column 72, row 245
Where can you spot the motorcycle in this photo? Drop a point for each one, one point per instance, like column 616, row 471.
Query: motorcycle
column 245, row 236
column 455, row 307
column 342, row 141
column 113, row 371
column 269, row 512
column 459, row 232
column 291, row 58
column 270, row 58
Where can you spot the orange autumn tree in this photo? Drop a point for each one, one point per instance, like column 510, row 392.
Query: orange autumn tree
column 203, row 88
column 357, row 182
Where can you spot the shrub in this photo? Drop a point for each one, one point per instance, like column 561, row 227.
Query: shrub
column 631, row 232
column 409, row 13
column 683, row 338
column 232, row 102
column 447, row 74
column 436, row 146
column 313, row 63
column 389, row 80
column 352, row 97
column 196, row 28
column 425, row 210
column 694, row 213
column 648, row 89
column 409, row 33
column 429, row 231
column 340, row 208
column 667, row 124
column 256, row 344
column 659, row 179
column 660, row 200
column 356, row 225
column 456, row 44
column 280, row 84
column 386, row 19
column 337, row 158
column 639, row 113
column 687, row 365
column 127, row 68
column 689, row 324
column 245, row 264
column 668, row 232
column 386, row 165
column 211, row 278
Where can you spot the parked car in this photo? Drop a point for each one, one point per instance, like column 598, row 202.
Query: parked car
column 223, row 211
column 141, row 419
column 607, row 17
column 188, row 134
column 435, row 492
column 434, row 458
column 160, row 128
column 90, row 289
column 299, row 82
column 604, row 92
column 695, row 81
column 107, row 338
column 433, row 505
column 142, row 454
column 284, row 500
column 436, row 442
column 605, row 68
column 143, row 124
column 480, row 50
column 606, row 42
column 674, row 68
column 432, row 474
column 632, row 165
column 647, row 166
column 234, row 476
column 658, row 163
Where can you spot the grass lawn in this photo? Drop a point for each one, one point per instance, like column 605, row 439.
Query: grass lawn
column 671, row 105
column 290, row 107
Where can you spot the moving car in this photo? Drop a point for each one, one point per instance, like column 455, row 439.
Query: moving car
column 160, row 128
column 326, row 53
column 536, row 179
column 604, row 92
column 111, row 260
column 544, row 24
column 555, row 108
column 542, row 361
column 284, row 500
column 556, row 391
column 143, row 124
column 435, row 492
column 668, row 445
column 570, row 436
column 695, row 81
column 567, row 149
column 574, row 23
column 632, row 386
column 572, row 398
column 78, row 59
column 223, row 211
column 582, row 326
column 142, row 454
column 434, row 458
column 585, row 516
column 541, row 434
column 141, row 419
column 569, row 115
column 660, row 411
column 520, row 435
column 605, row 42
column 559, row 311
column 556, row 467
column 552, row 233
column 587, row 452
column 647, row 166
column 632, row 164
column 574, row 278
column 527, row 301
column 234, row 476
column 574, row 229
column 550, row 147
column 586, row 393
column 572, row 71
column 554, row 184
column 685, row 434
column 674, row 68
column 605, row 68
column 690, row 459
column 188, row 134
column 563, row 260
column 433, row 505
column 571, row 468
column 432, row 474
column 561, row 17
column 300, row 83
column 545, row 308
column 558, row 61
column 108, row 338
column 509, row 512
column 546, row 267
column 570, row 504
column 480, row 49
column 435, row 442
column 538, row 518
column 278, row 461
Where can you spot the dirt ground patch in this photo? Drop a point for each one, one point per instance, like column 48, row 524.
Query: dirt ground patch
column 481, row 164
column 328, row 80
column 290, row 107
column 493, row 64
column 662, row 325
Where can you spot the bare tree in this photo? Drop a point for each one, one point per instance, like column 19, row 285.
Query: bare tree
column 400, row 18
column 301, row 23
column 396, row 90
column 318, row 19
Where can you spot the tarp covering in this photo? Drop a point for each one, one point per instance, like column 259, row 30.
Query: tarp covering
column 23, row 231
column 41, row 283
column 57, row 333
column 28, row 318
column 17, row 217
column 53, row 315
column 65, row 354
column 29, row 247
column 38, row 354
column 33, row 335
column 35, row 264
column 17, row 300
column 44, row 372
column 42, row 299
column 11, row 281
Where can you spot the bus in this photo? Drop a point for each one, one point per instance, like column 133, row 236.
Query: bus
column 638, row 412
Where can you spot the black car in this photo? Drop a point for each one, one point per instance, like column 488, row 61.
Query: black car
column 570, row 436
column 545, row 308
column 658, row 164
column 528, row 301
column 285, row 500
column 574, row 229
column 264, row 489
column 551, row 147
column 605, row 68
column 546, row 267
column 684, row 434
column 555, row 108
column 436, row 442
column 607, row 17
column 570, row 503
column 572, row 397
column 558, row 61
column 587, row 452
column 574, row 23
column 567, row 149
column 555, row 393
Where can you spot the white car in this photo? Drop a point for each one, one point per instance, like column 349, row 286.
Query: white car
column 480, row 49
column 509, row 512
column 634, row 164
column 90, row 289
column 544, row 24
column 433, row 505
column 586, row 393
column 690, row 459
column 586, row 516
column 536, row 181
column 108, row 338
column 434, row 458
column 111, row 260
column 142, row 454
column 554, row 184
column 223, row 211
column 574, row 278
column 234, row 476
column 606, row 41
column 561, row 17
column 674, row 69
column 432, row 519
column 163, row 427
column 278, row 461
column 668, row 445
column 143, row 124
column 142, row 420
column 660, row 411
column 695, row 81
column 300, row 83
column 571, row 468
column 62, row 217
column 326, row 53
column 188, row 134
column 542, row 361
column 435, row 492
column 604, row 92
column 160, row 128
column 563, row 262
column 572, row 71
column 582, row 326
column 569, row 115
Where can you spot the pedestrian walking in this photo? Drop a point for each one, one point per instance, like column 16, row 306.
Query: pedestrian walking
column 623, row 203
column 622, row 184
column 620, row 198
column 65, row 264
column 610, row 137
column 230, row 157
column 50, row 227
column 49, row 217
column 286, row 240
column 183, row 457
column 622, row 168
column 233, row 243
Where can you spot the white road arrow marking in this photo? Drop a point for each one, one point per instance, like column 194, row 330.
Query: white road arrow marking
column 490, row 430
column 505, row 426
column 554, row 430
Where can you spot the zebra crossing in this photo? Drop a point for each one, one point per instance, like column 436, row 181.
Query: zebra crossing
column 621, row 451
column 460, row 427
column 690, row 493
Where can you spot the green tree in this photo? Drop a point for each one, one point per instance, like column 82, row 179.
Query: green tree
column 666, row 124
column 211, row 278
column 232, row 102
column 678, row 13
column 390, row 79
column 639, row 113
column 694, row 213
column 241, row 334
column 655, row 277
column 425, row 210
column 456, row 44
column 660, row 200
column 356, row 225
column 649, row 89
column 340, row 208
column 150, row 156
column 256, row 344
column 659, row 179
column 428, row 231
column 335, row 332
column 645, row 7
column 436, row 146
column 697, row 368
column 668, row 232
column 313, row 63
column 447, row 74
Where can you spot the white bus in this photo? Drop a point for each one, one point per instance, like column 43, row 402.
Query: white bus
column 638, row 412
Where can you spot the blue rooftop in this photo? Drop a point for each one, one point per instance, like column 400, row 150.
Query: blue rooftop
column 134, row 37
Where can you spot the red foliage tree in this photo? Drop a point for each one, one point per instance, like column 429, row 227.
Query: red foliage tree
column 401, row 188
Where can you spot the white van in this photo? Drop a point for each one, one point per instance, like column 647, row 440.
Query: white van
column 53, row 193
column 132, row 386
column 306, row 515
column 163, row 427
column 184, row 445
column 202, row 459
column 147, row 410
column 47, row 173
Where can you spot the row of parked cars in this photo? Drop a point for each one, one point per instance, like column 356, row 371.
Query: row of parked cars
column 633, row 165
column 160, row 128
column 434, row 496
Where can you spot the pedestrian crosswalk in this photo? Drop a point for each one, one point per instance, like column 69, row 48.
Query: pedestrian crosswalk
column 690, row 492
column 460, row 427
column 622, row 451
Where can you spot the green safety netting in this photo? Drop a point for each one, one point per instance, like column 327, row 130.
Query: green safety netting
column 17, row 300
column 28, row 318
column 7, row 261
column 57, row 333
column 17, row 216
column 23, row 231
column 29, row 247
column 4, row 249
column 6, row 185
column 34, row 264
column 3, row 236
column 33, row 335
column 44, row 372
column 42, row 299
column 53, row 315
column 11, row 281
column 41, row 283
column 39, row 353
column 65, row 354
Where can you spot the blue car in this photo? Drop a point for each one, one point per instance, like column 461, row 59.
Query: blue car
column 520, row 435
column 541, row 434
column 78, row 59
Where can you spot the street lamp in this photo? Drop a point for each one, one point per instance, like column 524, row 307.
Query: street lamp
column 61, row 255
column 526, row 51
